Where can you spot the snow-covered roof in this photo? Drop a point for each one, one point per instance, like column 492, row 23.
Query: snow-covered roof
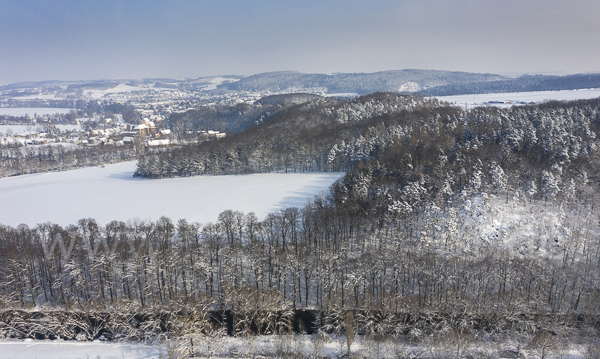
column 25, row 134
column 158, row 142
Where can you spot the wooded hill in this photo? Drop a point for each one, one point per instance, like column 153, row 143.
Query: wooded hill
column 232, row 119
column 362, row 83
column 523, row 83
column 417, row 81
column 453, row 214
column 424, row 82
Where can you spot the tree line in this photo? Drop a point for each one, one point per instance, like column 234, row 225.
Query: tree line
column 19, row 160
column 323, row 255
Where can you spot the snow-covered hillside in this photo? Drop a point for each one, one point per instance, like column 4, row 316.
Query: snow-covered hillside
column 519, row 226
column 111, row 193
column 497, row 99
column 120, row 88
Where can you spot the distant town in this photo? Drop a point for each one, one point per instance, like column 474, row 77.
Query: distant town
column 121, row 113
column 76, row 121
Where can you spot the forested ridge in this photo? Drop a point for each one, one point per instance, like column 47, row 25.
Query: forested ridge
column 483, row 219
column 232, row 119
column 520, row 84
column 298, row 139
column 408, row 80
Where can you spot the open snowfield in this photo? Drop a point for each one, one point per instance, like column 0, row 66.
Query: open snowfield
column 111, row 193
column 216, row 81
column 120, row 88
column 55, row 349
column 270, row 346
column 527, row 97
column 22, row 128
column 40, row 111
column 342, row 95
column 47, row 96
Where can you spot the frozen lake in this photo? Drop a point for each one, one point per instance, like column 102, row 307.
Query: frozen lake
column 111, row 193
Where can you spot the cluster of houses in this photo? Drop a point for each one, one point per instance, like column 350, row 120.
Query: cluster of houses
column 29, row 138
column 148, row 134
column 118, row 133
column 211, row 134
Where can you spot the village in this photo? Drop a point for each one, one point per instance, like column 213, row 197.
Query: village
column 99, row 131
column 82, row 120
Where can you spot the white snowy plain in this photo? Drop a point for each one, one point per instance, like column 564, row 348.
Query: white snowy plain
column 526, row 97
column 40, row 111
column 120, row 88
column 55, row 349
column 331, row 346
column 111, row 193
column 216, row 81
column 23, row 128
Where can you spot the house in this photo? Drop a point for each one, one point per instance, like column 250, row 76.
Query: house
column 29, row 134
column 145, row 129
column 207, row 135
column 158, row 143
column 164, row 133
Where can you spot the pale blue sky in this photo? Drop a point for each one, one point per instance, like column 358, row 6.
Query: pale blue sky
column 87, row 39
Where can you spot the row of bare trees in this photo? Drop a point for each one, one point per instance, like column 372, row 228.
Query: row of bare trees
column 317, row 256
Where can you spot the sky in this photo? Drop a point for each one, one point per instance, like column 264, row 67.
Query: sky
column 88, row 39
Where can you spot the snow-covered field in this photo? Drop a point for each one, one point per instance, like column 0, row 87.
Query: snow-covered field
column 273, row 346
column 111, row 193
column 40, row 111
column 47, row 96
column 526, row 97
column 342, row 95
column 120, row 88
column 22, row 128
column 47, row 349
column 216, row 81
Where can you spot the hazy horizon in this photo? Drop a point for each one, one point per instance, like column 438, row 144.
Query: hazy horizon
column 506, row 74
column 74, row 40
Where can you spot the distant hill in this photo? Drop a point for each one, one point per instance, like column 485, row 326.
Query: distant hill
column 288, row 99
column 404, row 81
column 519, row 84
column 410, row 81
